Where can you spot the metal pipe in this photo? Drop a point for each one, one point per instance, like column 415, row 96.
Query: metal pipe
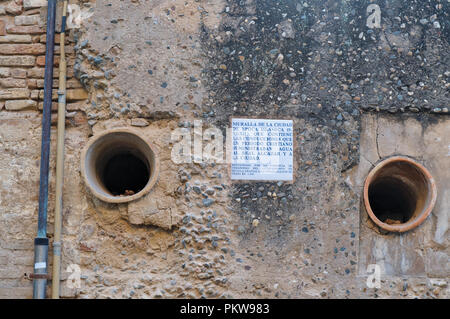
column 40, row 267
column 41, row 241
column 59, row 160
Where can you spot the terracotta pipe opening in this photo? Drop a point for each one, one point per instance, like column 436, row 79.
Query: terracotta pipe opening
column 119, row 166
column 399, row 194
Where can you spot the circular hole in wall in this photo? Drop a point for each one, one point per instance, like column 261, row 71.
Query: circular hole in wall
column 391, row 200
column 399, row 194
column 125, row 174
column 119, row 166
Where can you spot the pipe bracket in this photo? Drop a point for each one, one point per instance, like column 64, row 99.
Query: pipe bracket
column 57, row 248
column 40, row 276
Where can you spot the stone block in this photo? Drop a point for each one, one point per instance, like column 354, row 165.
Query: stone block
column 17, row 60
column 16, row 38
column 71, row 94
column 33, row 49
column 19, row 73
column 11, row 94
column 27, row 20
column 5, row 72
column 30, row 4
column 149, row 211
column 25, row 29
column 14, row 8
column 40, row 61
column 17, row 105
column 13, row 83
column 2, row 27
column 16, row 292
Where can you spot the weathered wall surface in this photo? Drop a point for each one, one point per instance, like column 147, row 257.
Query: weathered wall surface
column 356, row 95
column 417, row 253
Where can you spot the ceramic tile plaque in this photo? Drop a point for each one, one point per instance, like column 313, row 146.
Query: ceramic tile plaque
column 262, row 149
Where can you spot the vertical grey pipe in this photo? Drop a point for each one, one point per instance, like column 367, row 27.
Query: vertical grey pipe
column 41, row 241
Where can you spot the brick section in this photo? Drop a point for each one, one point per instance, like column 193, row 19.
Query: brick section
column 32, row 83
column 14, row 8
column 70, row 84
column 17, row 60
column 71, row 94
column 10, row 273
column 16, row 292
column 26, row 49
column 25, row 29
column 70, row 107
column 13, row 83
column 2, row 27
column 20, row 244
column 22, row 61
column 5, row 72
column 31, row 4
column 10, row 94
column 40, row 61
column 22, row 69
column 39, row 73
column 34, row 94
column 27, row 20
column 19, row 73
column 43, row 39
column 17, row 105
column 16, row 38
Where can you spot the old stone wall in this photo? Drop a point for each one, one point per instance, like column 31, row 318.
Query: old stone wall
column 357, row 94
